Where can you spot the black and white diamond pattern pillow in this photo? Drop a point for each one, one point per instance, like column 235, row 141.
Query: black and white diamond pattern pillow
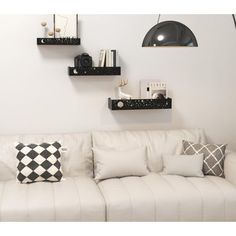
column 39, row 162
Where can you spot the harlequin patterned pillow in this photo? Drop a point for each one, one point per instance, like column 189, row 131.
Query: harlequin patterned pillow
column 38, row 162
column 214, row 156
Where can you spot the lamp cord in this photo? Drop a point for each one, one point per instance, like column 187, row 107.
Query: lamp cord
column 234, row 20
column 159, row 16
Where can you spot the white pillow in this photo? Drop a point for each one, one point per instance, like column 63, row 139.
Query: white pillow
column 184, row 165
column 111, row 163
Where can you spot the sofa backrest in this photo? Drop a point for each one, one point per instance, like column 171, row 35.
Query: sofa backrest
column 157, row 142
column 76, row 161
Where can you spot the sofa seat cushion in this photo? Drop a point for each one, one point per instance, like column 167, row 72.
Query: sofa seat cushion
column 158, row 197
column 74, row 199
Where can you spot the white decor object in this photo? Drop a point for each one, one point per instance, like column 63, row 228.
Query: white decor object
column 57, row 32
column 152, row 89
column 45, row 29
column 121, row 94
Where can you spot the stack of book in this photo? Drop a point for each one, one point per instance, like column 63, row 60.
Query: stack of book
column 107, row 58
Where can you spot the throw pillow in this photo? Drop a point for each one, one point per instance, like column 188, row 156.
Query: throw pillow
column 184, row 165
column 38, row 162
column 113, row 163
column 214, row 155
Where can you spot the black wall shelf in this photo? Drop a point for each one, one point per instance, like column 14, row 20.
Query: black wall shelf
column 58, row 41
column 139, row 104
column 94, row 71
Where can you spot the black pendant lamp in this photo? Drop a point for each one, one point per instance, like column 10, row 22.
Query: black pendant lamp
column 169, row 33
column 234, row 20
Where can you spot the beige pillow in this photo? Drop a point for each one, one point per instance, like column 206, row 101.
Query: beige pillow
column 111, row 163
column 184, row 165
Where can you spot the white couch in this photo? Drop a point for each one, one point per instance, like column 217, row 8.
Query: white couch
column 77, row 198
column 154, row 197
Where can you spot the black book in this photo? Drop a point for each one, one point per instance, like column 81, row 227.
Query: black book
column 113, row 58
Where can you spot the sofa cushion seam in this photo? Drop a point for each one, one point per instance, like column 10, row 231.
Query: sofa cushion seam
column 155, row 201
column 219, row 190
column 129, row 196
column 1, row 200
column 174, row 191
column 101, row 190
column 79, row 200
column 54, row 203
column 202, row 202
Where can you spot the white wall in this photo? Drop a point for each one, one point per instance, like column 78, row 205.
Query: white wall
column 37, row 95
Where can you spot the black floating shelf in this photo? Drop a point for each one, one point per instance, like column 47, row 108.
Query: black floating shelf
column 139, row 104
column 58, row 41
column 94, row 71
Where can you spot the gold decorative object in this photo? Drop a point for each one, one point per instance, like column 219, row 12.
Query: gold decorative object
column 50, row 33
column 44, row 23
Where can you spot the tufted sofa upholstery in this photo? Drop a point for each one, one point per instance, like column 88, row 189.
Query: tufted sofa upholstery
column 77, row 198
column 158, row 197
column 155, row 197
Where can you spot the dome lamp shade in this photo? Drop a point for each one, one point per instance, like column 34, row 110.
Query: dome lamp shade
column 169, row 33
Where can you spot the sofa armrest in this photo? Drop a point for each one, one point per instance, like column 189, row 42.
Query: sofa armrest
column 230, row 167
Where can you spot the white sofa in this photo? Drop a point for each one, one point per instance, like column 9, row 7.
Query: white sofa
column 154, row 197
column 77, row 198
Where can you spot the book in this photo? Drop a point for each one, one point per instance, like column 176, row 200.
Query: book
column 110, row 58
column 102, row 56
column 113, row 57
column 100, row 59
column 107, row 58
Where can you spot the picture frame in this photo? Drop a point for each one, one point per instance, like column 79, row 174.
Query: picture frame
column 158, row 91
column 67, row 24
column 153, row 89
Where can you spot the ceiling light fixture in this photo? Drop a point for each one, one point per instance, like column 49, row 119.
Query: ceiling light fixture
column 169, row 33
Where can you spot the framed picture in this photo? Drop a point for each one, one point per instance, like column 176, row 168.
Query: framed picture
column 67, row 24
column 153, row 89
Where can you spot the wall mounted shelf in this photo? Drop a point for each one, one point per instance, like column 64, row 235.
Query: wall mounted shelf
column 94, row 71
column 139, row 104
column 58, row 41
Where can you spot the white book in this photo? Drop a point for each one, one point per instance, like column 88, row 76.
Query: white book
column 100, row 58
column 111, row 58
column 103, row 57
column 107, row 58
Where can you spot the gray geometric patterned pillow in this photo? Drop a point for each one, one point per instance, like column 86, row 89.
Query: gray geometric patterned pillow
column 214, row 156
